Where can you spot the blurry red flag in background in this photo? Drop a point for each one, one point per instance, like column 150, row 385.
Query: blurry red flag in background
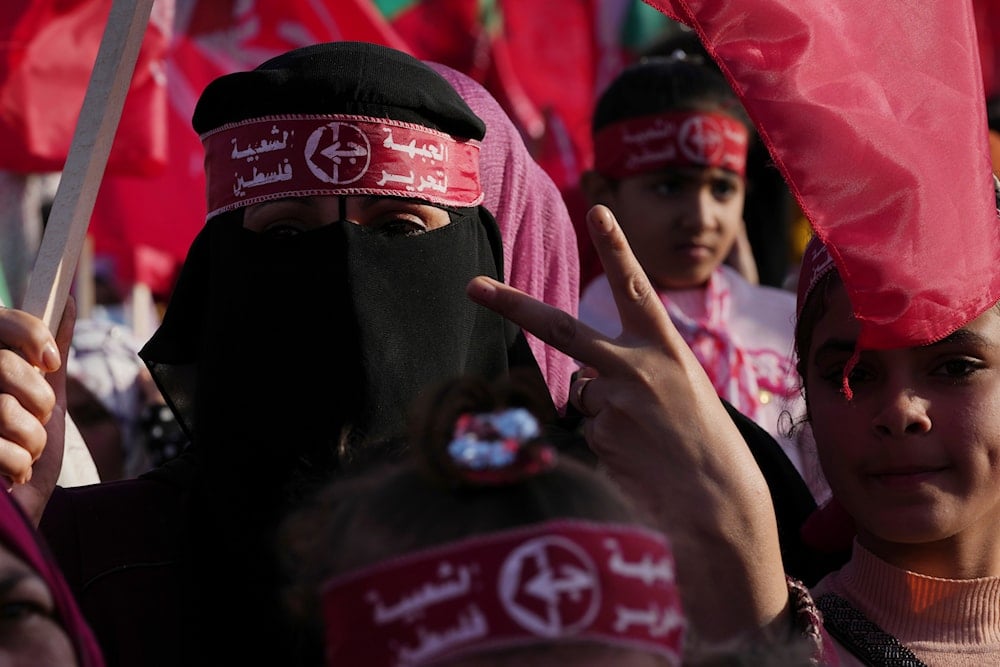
column 47, row 51
column 545, row 62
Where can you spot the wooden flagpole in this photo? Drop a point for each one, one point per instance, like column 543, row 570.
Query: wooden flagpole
column 51, row 277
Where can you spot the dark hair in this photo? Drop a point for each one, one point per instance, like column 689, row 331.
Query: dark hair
column 420, row 500
column 666, row 83
column 993, row 112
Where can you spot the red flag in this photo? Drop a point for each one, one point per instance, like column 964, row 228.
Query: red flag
column 47, row 51
column 875, row 114
column 145, row 223
column 450, row 32
column 988, row 31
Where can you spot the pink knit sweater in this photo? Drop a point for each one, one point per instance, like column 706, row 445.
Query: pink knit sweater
column 945, row 622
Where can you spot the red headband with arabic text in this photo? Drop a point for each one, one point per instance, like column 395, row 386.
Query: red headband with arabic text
column 674, row 139
column 559, row 581
column 336, row 154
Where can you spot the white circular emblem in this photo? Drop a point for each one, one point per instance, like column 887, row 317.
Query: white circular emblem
column 338, row 153
column 550, row 586
column 700, row 140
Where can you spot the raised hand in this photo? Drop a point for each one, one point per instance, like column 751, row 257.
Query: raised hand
column 661, row 431
column 32, row 405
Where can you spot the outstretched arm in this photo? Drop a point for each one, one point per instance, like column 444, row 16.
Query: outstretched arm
column 661, row 431
column 32, row 405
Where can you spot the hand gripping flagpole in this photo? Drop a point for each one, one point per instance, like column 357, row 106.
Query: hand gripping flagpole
column 52, row 275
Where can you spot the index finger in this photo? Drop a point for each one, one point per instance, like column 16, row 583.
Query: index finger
column 639, row 308
column 551, row 325
column 29, row 337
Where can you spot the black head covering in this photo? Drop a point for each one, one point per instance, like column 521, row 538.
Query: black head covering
column 342, row 78
column 394, row 306
column 279, row 355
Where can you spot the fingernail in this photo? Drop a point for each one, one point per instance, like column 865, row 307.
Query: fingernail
column 603, row 221
column 50, row 357
column 481, row 290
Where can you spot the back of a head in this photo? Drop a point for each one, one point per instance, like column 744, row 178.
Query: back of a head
column 482, row 489
column 394, row 507
column 660, row 84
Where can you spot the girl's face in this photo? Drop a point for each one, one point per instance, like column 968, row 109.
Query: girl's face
column 681, row 222
column 915, row 455
column 30, row 635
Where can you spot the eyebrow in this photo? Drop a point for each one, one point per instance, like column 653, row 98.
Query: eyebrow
column 960, row 337
column 837, row 345
column 963, row 336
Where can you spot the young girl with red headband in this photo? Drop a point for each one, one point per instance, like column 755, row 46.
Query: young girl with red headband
column 670, row 151
column 488, row 548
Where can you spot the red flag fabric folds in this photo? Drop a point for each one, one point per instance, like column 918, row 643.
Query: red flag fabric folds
column 47, row 51
column 875, row 114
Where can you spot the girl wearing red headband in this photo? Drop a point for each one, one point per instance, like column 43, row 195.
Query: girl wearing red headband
column 670, row 151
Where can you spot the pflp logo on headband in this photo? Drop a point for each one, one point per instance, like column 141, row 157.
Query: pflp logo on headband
column 298, row 155
column 560, row 581
column 674, row 139
column 816, row 263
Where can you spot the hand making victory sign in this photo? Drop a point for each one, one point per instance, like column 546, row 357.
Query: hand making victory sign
column 660, row 430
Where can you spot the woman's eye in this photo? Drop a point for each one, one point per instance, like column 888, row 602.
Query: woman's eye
column 400, row 227
column 282, row 230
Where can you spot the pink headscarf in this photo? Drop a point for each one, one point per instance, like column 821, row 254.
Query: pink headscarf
column 539, row 241
column 20, row 537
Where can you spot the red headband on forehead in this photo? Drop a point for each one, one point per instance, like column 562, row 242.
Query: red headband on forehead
column 295, row 156
column 675, row 139
column 556, row 581
column 816, row 263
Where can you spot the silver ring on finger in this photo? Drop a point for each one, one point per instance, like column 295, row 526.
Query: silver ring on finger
column 578, row 388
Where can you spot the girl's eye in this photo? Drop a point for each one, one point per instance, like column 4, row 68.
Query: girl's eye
column 668, row 188
column 958, row 368
column 834, row 375
column 723, row 189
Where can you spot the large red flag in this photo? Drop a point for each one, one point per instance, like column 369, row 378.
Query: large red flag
column 47, row 51
column 875, row 114
column 146, row 224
